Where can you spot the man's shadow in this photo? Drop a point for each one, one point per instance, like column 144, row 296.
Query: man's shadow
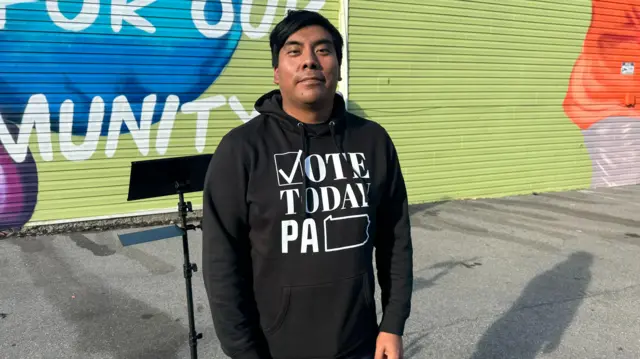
column 542, row 313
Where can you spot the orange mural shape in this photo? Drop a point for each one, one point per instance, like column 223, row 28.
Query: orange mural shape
column 605, row 80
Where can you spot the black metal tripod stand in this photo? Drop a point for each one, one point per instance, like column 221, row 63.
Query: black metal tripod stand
column 189, row 268
column 170, row 176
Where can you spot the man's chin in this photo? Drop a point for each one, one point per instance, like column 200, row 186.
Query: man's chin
column 315, row 98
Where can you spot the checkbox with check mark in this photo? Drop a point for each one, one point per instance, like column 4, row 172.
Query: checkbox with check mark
column 289, row 168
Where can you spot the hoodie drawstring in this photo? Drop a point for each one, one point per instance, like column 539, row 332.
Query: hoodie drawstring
column 341, row 154
column 343, row 157
column 303, row 193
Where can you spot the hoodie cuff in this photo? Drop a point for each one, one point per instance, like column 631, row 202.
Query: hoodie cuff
column 393, row 324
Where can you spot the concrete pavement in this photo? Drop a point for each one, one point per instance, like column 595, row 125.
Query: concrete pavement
column 547, row 276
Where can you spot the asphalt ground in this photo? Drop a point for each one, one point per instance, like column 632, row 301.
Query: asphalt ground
column 542, row 276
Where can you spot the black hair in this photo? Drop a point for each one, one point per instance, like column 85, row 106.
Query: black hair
column 296, row 20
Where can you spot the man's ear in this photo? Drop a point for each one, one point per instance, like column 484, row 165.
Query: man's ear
column 276, row 76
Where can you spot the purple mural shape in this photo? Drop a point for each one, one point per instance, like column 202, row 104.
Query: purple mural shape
column 18, row 188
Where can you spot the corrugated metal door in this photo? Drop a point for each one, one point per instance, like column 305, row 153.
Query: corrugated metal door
column 472, row 92
column 93, row 85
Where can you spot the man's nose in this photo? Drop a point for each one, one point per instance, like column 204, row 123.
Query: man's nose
column 310, row 61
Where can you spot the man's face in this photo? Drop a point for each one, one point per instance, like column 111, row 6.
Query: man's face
column 308, row 70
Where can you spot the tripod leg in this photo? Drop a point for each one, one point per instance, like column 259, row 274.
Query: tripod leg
column 188, row 269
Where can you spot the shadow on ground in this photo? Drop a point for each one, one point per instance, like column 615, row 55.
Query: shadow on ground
column 421, row 283
column 538, row 319
column 103, row 318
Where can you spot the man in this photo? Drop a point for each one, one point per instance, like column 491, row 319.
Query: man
column 295, row 202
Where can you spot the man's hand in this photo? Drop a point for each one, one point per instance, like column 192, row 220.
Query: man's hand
column 388, row 346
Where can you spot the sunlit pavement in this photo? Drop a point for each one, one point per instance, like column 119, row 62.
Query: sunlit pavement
column 545, row 276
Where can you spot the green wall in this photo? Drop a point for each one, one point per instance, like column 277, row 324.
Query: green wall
column 472, row 92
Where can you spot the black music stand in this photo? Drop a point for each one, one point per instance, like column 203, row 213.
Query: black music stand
column 163, row 177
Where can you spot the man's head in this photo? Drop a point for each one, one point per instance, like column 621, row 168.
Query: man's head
column 306, row 52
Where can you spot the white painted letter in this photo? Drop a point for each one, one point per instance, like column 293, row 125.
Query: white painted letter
column 202, row 108
column 166, row 123
column 3, row 9
column 237, row 107
column 121, row 112
column 309, row 235
column 88, row 14
column 212, row 31
column 35, row 115
column 122, row 11
column 313, row 5
column 286, row 236
column 291, row 5
column 267, row 20
column 84, row 151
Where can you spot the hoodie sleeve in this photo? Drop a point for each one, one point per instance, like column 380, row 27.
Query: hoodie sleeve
column 394, row 250
column 226, row 263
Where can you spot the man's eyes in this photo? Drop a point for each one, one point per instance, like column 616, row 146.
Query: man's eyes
column 320, row 50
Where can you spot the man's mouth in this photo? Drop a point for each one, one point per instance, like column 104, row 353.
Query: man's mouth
column 312, row 80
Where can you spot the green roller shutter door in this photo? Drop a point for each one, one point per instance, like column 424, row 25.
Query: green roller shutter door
column 472, row 92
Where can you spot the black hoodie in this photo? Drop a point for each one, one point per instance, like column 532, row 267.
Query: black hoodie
column 288, row 283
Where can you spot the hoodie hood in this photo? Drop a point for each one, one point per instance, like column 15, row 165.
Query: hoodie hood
column 270, row 105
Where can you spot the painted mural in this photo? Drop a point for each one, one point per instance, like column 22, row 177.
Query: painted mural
column 517, row 100
column 89, row 86
column 603, row 97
